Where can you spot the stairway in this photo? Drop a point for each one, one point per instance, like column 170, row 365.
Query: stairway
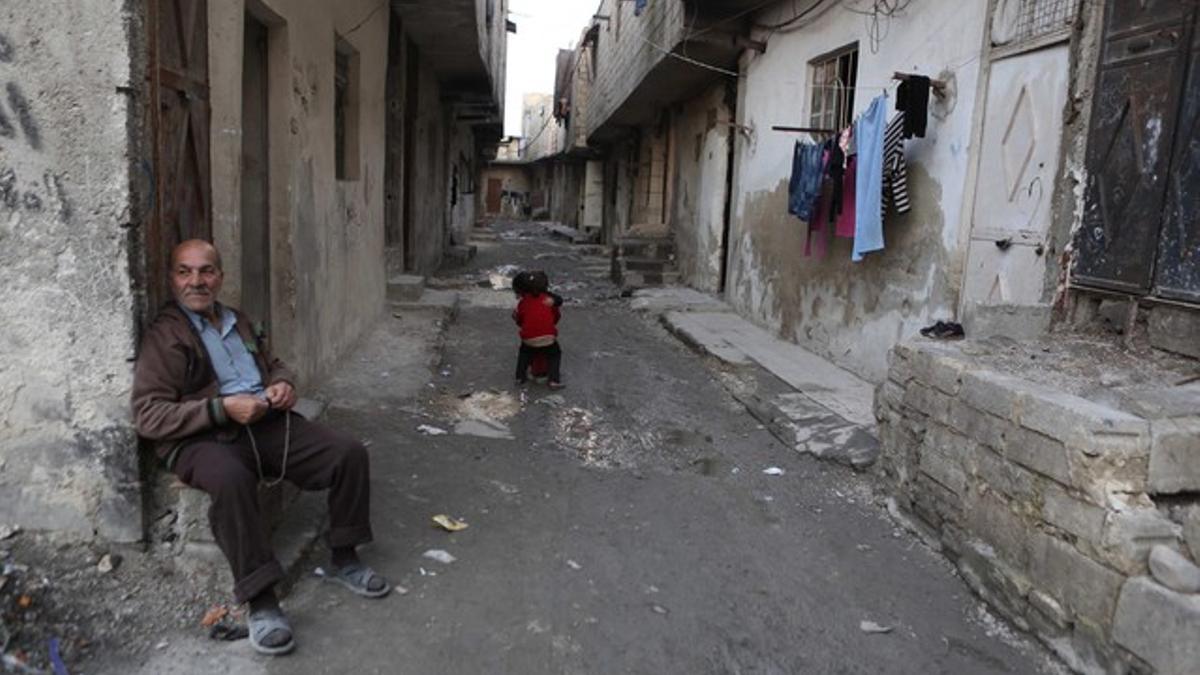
column 639, row 262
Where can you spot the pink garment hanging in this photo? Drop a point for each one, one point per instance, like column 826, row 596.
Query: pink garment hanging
column 846, row 221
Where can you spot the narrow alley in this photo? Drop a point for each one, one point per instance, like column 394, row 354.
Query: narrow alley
column 626, row 526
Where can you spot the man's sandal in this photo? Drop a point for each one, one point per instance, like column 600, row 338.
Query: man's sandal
column 357, row 577
column 265, row 622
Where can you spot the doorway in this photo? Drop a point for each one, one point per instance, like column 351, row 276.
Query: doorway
column 255, row 210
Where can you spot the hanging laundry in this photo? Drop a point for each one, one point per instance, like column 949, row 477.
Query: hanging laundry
column 805, row 182
column 823, row 205
column 846, row 219
column 868, row 135
column 639, row 6
column 895, row 166
column 912, row 98
column 835, row 174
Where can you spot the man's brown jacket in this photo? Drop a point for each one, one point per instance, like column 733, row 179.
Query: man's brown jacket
column 176, row 394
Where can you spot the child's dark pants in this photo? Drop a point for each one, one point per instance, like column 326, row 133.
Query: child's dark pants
column 552, row 354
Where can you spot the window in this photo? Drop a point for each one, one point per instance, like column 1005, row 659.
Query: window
column 345, row 111
column 833, row 79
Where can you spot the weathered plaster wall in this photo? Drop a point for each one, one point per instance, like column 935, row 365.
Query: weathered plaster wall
column 702, row 160
column 327, row 234
column 68, row 453
column 512, row 179
column 460, row 183
column 853, row 312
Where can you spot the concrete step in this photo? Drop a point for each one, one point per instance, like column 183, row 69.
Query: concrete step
column 460, row 254
column 662, row 249
column 633, row 280
column 405, row 288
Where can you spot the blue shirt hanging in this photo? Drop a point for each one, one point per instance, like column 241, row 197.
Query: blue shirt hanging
column 805, row 184
column 869, row 133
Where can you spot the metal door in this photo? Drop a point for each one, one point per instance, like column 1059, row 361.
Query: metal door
column 1022, row 134
column 495, row 185
column 178, row 115
column 1138, row 89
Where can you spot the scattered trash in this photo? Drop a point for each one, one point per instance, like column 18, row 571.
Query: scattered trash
column 422, row 571
column 872, row 627
column 506, row 488
column 430, row 430
column 228, row 632
column 56, row 660
column 574, row 565
column 735, row 471
column 483, row 429
column 162, row 645
column 439, row 555
column 774, row 471
column 9, row 531
column 399, row 590
column 108, row 563
column 944, row 330
column 863, row 547
column 659, row 609
column 397, row 315
column 214, row 616
column 24, row 602
column 449, row 524
column 553, row 400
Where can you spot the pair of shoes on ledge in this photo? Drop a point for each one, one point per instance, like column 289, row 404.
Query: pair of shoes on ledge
column 944, row 330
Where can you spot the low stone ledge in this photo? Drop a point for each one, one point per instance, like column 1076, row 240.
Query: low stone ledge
column 1045, row 499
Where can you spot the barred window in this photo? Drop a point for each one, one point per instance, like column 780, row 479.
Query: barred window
column 1020, row 21
column 833, row 79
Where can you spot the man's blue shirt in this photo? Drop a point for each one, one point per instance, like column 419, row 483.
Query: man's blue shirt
column 231, row 358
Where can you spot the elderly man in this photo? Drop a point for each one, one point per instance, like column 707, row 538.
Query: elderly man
column 217, row 406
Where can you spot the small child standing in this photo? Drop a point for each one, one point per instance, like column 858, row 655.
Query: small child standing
column 537, row 314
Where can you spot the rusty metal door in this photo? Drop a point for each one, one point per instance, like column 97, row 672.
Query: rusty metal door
column 1178, row 273
column 494, row 187
column 1138, row 94
column 178, row 116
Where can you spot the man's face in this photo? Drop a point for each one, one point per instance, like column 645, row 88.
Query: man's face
column 196, row 278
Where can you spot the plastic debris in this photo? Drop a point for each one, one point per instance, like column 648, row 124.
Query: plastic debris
column 56, row 660
column 659, row 609
column 872, row 627
column 449, row 524
column 108, row 563
column 439, row 555
column 214, row 616
column 430, row 430
column 9, row 531
column 574, row 565
column 162, row 645
column 774, row 471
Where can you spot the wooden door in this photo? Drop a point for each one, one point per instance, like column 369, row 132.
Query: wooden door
column 1138, row 87
column 495, row 186
column 178, row 124
column 1178, row 272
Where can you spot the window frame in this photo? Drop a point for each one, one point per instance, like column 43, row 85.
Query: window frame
column 833, row 80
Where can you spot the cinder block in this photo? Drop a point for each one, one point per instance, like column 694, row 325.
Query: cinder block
column 1159, row 626
column 1008, row 478
column 1175, row 330
column 1042, row 454
column 991, row 519
column 1175, row 456
column 1088, row 588
column 1129, row 535
column 1070, row 418
column 993, row 393
column 927, row 401
column 982, row 427
column 1084, row 520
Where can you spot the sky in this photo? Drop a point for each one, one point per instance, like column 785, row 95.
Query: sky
column 543, row 27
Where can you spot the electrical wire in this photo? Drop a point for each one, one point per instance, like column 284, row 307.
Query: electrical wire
column 688, row 59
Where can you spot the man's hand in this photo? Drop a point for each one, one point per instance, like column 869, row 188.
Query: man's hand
column 244, row 408
column 281, row 396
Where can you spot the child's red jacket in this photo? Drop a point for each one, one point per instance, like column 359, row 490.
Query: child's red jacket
column 536, row 317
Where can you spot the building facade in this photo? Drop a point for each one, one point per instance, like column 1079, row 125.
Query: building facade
column 282, row 130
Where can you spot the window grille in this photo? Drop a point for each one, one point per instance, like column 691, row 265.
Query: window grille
column 1020, row 21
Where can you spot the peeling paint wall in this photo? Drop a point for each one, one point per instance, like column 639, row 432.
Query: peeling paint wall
column 702, row 161
column 68, row 112
column 853, row 312
column 460, row 183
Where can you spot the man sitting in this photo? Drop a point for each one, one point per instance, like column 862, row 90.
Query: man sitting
column 217, row 406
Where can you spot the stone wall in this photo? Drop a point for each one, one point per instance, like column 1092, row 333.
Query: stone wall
column 703, row 137
column 68, row 104
column 1050, row 502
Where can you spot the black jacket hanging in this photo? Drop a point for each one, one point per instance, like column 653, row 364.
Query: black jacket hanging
column 912, row 98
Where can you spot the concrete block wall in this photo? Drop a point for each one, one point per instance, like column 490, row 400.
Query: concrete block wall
column 628, row 48
column 1049, row 503
column 69, row 109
